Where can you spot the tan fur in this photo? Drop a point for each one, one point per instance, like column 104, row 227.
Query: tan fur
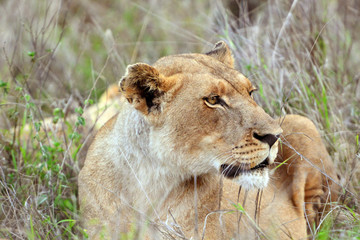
column 156, row 166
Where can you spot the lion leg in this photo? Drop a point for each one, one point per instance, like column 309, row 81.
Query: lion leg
column 306, row 197
column 312, row 206
column 309, row 163
column 298, row 190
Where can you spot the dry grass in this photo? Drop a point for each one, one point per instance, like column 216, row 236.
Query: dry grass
column 59, row 56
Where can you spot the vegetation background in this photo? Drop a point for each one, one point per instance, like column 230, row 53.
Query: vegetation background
column 58, row 56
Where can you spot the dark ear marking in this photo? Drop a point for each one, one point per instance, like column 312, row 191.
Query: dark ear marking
column 222, row 52
column 142, row 87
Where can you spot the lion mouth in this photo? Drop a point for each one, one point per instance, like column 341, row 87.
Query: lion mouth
column 232, row 171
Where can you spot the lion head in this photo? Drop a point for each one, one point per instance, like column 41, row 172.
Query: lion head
column 202, row 116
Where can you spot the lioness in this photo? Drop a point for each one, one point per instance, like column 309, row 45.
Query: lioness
column 190, row 154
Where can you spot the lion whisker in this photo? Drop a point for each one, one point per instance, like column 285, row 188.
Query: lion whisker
column 222, row 157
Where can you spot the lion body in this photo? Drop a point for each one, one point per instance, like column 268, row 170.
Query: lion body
column 154, row 167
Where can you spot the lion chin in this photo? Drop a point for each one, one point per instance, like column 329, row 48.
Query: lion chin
column 254, row 178
column 248, row 178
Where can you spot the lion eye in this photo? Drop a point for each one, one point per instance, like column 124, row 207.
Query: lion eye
column 213, row 100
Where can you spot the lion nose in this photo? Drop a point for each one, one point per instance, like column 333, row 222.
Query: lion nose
column 268, row 138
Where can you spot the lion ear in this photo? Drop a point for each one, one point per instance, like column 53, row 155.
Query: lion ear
column 143, row 86
column 222, row 52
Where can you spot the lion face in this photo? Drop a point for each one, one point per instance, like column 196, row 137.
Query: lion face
column 202, row 116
